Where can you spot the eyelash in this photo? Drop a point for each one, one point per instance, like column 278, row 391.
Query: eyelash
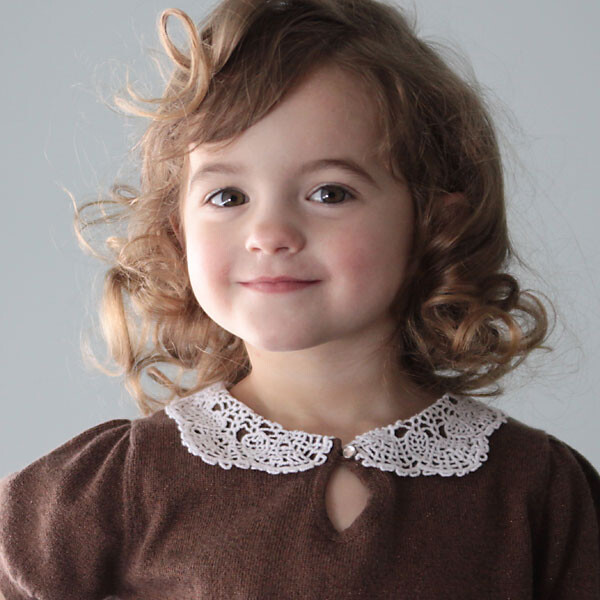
column 348, row 194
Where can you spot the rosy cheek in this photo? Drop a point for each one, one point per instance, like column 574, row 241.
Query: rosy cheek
column 352, row 256
column 368, row 260
column 206, row 264
column 199, row 256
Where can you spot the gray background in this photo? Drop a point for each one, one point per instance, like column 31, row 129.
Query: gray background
column 537, row 59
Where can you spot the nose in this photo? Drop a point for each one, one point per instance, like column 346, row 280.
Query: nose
column 273, row 233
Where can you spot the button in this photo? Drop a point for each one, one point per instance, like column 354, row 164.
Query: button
column 349, row 451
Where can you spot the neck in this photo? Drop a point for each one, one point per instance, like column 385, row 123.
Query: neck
column 343, row 399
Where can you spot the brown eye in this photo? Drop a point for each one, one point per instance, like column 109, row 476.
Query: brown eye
column 332, row 194
column 326, row 194
column 230, row 197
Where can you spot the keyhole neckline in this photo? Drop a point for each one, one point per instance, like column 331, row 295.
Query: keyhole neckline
column 378, row 483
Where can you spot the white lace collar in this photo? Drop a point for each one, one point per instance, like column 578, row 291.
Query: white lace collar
column 449, row 437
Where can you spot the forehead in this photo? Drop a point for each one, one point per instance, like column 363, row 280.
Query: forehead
column 329, row 112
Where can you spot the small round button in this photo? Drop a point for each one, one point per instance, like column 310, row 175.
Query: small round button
column 349, row 451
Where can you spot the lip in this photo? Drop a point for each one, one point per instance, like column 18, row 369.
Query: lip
column 275, row 287
column 279, row 279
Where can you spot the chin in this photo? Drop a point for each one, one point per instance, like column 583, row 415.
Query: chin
column 282, row 343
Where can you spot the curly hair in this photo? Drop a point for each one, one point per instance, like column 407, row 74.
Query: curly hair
column 462, row 320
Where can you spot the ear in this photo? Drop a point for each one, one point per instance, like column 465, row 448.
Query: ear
column 454, row 199
column 452, row 206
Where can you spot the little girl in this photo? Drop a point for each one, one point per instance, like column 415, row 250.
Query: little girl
column 320, row 239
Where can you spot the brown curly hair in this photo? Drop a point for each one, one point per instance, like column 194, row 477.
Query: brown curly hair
column 462, row 320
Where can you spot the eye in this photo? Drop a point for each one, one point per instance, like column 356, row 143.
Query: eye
column 230, row 195
column 233, row 197
column 337, row 196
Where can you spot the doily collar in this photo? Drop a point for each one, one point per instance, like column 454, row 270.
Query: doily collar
column 449, row 437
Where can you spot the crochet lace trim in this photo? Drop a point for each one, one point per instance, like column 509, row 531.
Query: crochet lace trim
column 449, row 437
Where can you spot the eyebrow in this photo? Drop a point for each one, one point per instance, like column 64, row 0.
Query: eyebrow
column 345, row 164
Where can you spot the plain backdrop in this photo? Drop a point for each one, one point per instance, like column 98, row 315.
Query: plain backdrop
column 538, row 63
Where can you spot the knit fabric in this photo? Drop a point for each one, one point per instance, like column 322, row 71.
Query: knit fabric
column 126, row 510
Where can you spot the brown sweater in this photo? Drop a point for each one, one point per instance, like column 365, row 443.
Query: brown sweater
column 164, row 508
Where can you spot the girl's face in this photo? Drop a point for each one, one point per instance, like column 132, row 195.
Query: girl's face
column 275, row 207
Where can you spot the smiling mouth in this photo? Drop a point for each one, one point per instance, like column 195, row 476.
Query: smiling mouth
column 277, row 279
column 278, row 286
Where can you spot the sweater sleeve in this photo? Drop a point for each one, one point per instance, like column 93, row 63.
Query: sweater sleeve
column 567, row 548
column 63, row 518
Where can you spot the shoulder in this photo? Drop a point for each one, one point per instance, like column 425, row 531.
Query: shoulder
column 117, row 448
column 88, row 488
column 535, row 448
column 560, row 489
column 52, row 508
column 564, row 516
column 85, row 451
column 545, row 482
column 93, row 459
column 526, row 465
column 534, row 455
column 156, row 432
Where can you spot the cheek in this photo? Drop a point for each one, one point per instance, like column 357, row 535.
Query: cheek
column 208, row 264
column 373, row 258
